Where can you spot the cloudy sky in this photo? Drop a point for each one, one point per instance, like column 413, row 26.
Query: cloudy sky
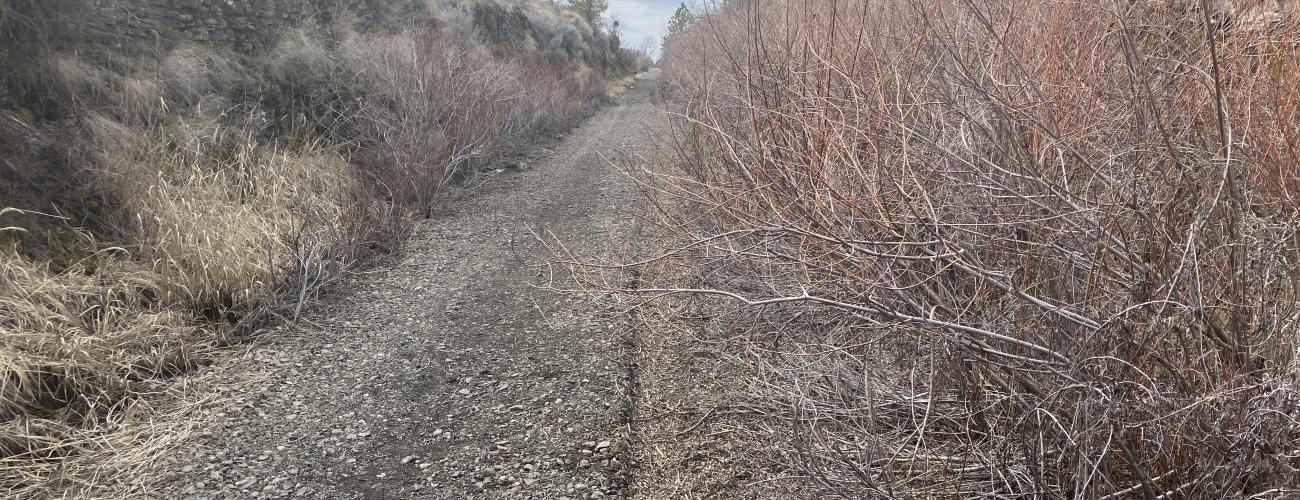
column 642, row 19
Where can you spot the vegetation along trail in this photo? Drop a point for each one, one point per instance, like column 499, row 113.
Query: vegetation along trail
column 480, row 249
column 448, row 374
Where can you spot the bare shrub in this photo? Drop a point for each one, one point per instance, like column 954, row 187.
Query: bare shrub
column 1059, row 240
column 444, row 105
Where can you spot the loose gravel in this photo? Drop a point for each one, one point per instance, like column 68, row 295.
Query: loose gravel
column 447, row 374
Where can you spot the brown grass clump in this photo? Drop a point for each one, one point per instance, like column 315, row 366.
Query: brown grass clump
column 75, row 348
column 220, row 215
column 206, row 235
column 1016, row 249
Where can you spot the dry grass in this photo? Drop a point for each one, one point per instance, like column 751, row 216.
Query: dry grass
column 1019, row 249
column 700, row 430
column 222, row 213
column 76, row 348
column 207, row 235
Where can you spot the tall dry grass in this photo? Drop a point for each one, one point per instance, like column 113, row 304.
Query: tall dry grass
column 216, row 192
column 207, row 243
column 1001, row 249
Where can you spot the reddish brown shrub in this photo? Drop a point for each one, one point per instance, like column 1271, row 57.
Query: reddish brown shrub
column 1074, row 224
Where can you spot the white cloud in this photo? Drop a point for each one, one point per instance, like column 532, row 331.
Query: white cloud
column 641, row 20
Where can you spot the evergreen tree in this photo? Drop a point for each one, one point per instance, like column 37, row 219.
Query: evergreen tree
column 681, row 21
column 591, row 10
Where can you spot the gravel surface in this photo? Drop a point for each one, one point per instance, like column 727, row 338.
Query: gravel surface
column 447, row 375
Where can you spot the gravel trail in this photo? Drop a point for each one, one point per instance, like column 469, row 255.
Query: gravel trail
column 447, row 375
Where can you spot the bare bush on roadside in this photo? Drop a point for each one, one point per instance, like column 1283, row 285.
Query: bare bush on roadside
column 444, row 106
column 1058, row 240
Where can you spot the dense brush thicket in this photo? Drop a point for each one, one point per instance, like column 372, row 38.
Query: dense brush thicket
column 159, row 196
column 1003, row 249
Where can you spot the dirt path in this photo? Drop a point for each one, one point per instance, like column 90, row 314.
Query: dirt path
column 447, row 375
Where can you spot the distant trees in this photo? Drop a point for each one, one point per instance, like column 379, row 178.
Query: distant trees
column 592, row 10
column 682, row 20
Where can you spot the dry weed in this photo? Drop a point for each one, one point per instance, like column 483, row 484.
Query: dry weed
column 1024, row 249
